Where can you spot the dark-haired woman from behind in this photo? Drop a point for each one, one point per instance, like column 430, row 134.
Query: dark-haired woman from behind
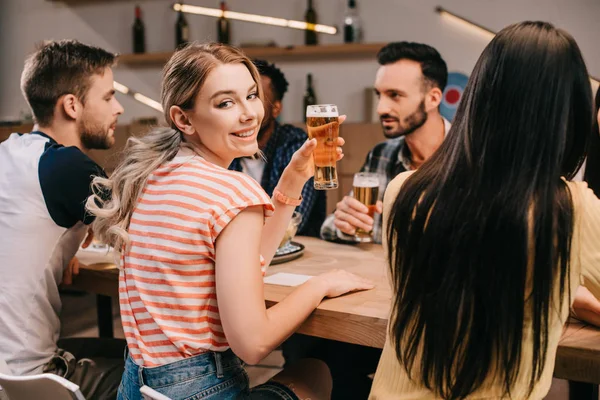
column 488, row 241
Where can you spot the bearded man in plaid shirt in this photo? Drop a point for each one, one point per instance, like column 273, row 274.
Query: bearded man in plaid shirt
column 409, row 85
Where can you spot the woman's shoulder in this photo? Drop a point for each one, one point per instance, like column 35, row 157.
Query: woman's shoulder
column 206, row 169
column 393, row 188
column 585, row 200
column 248, row 190
column 245, row 180
column 581, row 192
column 205, row 174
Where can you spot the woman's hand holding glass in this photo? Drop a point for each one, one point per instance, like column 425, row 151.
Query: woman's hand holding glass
column 301, row 167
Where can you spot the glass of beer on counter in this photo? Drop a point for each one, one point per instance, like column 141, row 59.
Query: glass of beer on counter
column 366, row 190
column 322, row 124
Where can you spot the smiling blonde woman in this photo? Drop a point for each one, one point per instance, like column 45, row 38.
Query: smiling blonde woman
column 193, row 238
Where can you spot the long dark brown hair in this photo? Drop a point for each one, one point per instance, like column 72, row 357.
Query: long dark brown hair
column 480, row 235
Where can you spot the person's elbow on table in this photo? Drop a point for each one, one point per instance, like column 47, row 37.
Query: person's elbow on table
column 586, row 307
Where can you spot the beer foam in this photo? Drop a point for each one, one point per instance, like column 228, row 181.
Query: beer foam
column 365, row 181
column 326, row 110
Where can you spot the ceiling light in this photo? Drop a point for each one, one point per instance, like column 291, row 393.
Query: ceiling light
column 260, row 19
column 138, row 96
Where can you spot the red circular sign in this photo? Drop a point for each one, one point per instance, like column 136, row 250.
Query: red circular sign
column 452, row 96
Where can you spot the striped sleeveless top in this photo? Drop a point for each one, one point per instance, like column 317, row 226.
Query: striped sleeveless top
column 167, row 284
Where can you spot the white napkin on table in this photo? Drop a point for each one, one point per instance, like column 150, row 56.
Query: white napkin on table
column 286, row 279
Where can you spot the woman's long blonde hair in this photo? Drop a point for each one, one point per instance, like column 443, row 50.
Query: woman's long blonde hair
column 113, row 200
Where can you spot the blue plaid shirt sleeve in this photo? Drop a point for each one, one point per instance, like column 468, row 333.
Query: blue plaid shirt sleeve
column 329, row 231
column 295, row 138
column 308, row 201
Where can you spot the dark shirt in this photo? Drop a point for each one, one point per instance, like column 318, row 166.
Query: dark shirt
column 65, row 175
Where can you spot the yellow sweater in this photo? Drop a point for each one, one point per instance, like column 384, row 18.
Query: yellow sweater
column 391, row 381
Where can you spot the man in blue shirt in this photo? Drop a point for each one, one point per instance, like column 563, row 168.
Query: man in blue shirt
column 45, row 179
column 278, row 143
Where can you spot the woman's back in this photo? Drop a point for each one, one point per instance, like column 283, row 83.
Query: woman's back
column 392, row 381
column 167, row 286
column 482, row 237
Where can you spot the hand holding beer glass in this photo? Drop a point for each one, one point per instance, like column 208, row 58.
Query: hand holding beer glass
column 366, row 190
column 323, row 124
column 354, row 214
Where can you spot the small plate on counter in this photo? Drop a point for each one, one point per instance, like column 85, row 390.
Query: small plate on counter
column 288, row 252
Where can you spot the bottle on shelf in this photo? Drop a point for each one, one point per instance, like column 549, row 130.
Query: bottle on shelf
column 182, row 31
column 139, row 32
column 352, row 25
column 309, row 95
column 310, row 37
column 223, row 26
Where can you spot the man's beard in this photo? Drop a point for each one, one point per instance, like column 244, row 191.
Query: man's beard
column 94, row 135
column 410, row 124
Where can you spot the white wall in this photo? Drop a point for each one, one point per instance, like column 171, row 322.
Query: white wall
column 108, row 24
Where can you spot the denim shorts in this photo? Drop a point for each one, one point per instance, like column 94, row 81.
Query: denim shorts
column 211, row 375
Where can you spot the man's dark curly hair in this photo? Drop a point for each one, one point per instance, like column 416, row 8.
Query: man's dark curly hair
column 278, row 82
column 433, row 65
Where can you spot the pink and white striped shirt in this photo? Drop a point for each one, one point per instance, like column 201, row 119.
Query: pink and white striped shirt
column 167, row 285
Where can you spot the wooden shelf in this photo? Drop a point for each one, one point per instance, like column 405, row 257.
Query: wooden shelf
column 296, row 53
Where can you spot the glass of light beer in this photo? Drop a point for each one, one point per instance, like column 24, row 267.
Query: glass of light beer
column 366, row 190
column 322, row 124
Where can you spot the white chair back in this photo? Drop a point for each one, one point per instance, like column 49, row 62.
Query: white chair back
column 150, row 394
column 39, row 387
column 4, row 367
column 4, row 370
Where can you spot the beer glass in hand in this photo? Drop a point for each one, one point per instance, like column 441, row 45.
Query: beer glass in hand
column 366, row 190
column 322, row 124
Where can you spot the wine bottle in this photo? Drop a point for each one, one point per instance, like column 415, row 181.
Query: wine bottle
column 309, row 95
column 182, row 31
column 310, row 36
column 352, row 25
column 223, row 27
column 139, row 34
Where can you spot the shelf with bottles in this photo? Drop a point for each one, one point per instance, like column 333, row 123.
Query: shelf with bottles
column 352, row 24
column 289, row 53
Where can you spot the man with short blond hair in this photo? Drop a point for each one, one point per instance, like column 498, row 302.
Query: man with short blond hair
column 45, row 179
